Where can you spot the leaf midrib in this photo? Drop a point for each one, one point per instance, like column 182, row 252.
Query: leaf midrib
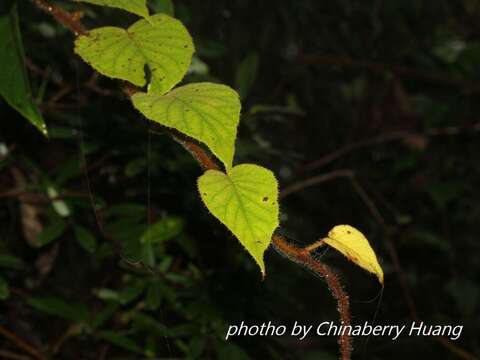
column 242, row 208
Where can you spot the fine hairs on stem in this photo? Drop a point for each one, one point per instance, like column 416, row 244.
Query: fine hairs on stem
column 301, row 256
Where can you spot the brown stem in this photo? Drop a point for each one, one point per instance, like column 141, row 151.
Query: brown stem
column 4, row 354
column 72, row 330
column 302, row 257
column 198, row 153
column 372, row 207
column 384, row 138
column 345, row 61
column 69, row 20
column 22, row 344
column 315, row 180
column 295, row 254
column 298, row 255
column 327, row 159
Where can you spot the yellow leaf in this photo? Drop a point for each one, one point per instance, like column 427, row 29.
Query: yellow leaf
column 353, row 244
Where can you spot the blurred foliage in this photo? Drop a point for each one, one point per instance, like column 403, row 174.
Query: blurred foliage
column 107, row 252
column 14, row 86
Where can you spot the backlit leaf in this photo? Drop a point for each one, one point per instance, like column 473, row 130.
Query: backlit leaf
column 138, row 7
column 205, row 111
column 14, row 85
column 353, row 244
column 246, row 201
column 159, row 48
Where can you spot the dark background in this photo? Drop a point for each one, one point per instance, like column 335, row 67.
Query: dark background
column 374, row 101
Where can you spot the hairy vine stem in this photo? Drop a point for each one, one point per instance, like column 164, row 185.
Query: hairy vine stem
column 70, row 20
column 301, row 256
column 298, row 255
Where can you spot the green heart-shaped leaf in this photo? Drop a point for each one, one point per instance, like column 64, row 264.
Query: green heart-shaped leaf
column 245, row 200
column 205, row 111
column 159, row 47
column 138, row 7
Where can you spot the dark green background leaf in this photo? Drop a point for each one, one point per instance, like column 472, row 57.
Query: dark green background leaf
column 14, row 84
column 85, row 238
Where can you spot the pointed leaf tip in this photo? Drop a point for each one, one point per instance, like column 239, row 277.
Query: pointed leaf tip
column 354, row 245
column 205, row 111
column 245, row 200
column 14, row 84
